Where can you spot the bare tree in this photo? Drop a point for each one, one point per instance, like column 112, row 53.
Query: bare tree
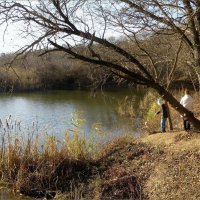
column 63, row 25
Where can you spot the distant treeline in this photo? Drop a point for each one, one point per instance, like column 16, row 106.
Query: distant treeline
column 52, row 71
column 56, row 70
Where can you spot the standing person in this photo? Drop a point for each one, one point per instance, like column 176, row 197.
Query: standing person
column 187, row 102
column 164, row 114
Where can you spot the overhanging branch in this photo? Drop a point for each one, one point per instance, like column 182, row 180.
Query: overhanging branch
column 132, row 75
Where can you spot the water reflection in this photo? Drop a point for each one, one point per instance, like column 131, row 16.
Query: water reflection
column 52, row 111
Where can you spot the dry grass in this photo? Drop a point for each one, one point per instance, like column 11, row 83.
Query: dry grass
column 176, row 173
column 165, row 165
column 158, row 166
column 34, row 164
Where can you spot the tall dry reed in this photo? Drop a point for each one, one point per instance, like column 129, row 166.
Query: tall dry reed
column 33, row 160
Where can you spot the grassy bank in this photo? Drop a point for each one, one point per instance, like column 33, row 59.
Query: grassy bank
column 157, row 166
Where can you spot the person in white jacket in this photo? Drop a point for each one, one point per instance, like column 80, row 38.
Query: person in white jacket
column 187, row 102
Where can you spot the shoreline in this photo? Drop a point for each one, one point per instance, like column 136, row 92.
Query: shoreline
column 157, row 166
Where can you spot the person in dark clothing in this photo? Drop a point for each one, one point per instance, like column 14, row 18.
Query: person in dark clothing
column 164, row 114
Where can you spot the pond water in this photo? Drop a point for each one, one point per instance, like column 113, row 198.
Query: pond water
column 55, row 112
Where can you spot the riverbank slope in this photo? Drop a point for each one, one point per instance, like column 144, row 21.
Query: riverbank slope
column 158, row 166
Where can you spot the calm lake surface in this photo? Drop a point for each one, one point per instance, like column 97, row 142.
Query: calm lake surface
column 55, row 112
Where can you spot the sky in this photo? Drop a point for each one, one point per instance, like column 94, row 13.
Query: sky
column 10, row 41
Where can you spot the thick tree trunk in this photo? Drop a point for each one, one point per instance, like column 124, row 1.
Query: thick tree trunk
column 176, row 105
